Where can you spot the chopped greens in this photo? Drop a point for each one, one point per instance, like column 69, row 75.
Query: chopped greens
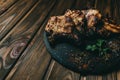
column 98, row 46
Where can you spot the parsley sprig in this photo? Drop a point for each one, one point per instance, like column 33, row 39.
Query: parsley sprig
column 98, row 46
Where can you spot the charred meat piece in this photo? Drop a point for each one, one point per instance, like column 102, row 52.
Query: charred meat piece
column 96, row 25
column 77, row 16
column 109, row 29
column 94, row 22
column 93, row 17
column 112, row 27
column 60, row 24
column 61, row 28
column 86, row 19
column 75, row 26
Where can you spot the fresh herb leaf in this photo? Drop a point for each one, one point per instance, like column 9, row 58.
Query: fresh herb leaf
column 89, row 47
column 100, row 42
column 99, row 47
column 106, row 49
column 94, row 47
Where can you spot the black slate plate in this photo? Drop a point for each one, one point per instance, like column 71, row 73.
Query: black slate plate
column 65, row 54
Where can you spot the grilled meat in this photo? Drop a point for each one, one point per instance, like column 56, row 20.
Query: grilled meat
column 75, row 25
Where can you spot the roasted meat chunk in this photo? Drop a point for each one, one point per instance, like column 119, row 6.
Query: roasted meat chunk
column 93, row 17
column 76, row 26
column 76, row 15
column 61, row 28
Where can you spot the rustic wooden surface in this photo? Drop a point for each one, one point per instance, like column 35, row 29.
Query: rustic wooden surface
column 6, row 4
column 23, row 55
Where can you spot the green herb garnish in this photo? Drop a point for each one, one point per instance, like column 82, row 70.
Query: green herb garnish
column 98, row 46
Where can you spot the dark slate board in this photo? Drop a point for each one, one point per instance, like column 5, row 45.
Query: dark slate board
column 64, row 53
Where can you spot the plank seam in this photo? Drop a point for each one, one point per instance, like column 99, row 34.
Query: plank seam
column 27, row 44
column 18, row 21
column 2, row 12
column 47, row 69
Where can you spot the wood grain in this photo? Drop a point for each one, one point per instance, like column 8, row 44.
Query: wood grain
column 33, row 62
column 21, row 39
column 5, row 5
column 109, row 8
column 80, row 4
column 118, row 75
column 54, row 12
column 13, row 15
column 112, row 76
column 17, row 40
column 91, row 77
column 58, row 72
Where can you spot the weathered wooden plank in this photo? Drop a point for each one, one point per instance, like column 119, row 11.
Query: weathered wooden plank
column 104, row 77
column 33, row 62
column 115, row 10
column 6, row 4
column 84, row 4
column 103, row 6
column 118, row 75
column 16, row 41
column 13, row 15
column 80, row 4
column 99, row 77
column 112, row 76
column 109, row 8
column 90, row 77
column 82, row 78
column 58, row 72
column 19, row 72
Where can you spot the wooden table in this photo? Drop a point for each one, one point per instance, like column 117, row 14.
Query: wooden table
column 23, row 55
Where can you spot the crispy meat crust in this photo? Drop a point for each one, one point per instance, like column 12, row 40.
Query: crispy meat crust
column 75, row 24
